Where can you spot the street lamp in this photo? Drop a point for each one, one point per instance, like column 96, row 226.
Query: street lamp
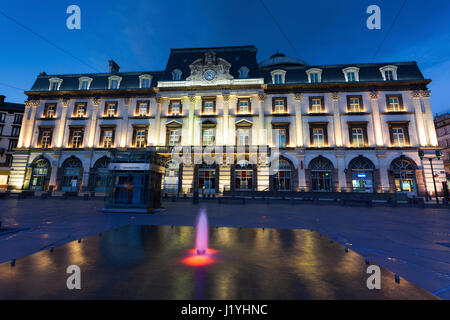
column 430, row 158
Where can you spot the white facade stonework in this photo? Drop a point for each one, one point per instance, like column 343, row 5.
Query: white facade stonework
column 324, row 142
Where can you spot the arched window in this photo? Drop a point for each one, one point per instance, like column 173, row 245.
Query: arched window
column 403, row 173
column 176, row 74
column 72, row 172
column 321, row 169
column 40, row 174
column 100, row 178
column 243, row 72
column 361, row 170
column 283, row 178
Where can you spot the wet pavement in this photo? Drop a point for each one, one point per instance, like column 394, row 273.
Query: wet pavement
column 412, row 242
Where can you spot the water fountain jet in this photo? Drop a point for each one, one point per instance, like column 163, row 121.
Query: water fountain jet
column 201, row 236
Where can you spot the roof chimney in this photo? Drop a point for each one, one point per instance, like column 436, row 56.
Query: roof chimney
column 2, row 99
column 113, row 67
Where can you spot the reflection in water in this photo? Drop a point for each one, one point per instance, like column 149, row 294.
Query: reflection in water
column 143, row 262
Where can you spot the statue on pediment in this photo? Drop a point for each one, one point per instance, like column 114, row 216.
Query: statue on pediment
column 210, row 68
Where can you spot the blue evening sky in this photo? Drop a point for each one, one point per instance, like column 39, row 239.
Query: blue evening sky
column 138, row 35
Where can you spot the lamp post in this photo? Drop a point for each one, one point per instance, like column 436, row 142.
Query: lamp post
column 430, row 158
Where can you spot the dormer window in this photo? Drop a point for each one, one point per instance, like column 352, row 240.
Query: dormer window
column 351, row 74
column 145, row 81
column 84, row 83
column 114, row 82
column 54, row 84
column 389, row 73
column 243, row 72
column 314, row 75
column 176, row 74
column 278, row 76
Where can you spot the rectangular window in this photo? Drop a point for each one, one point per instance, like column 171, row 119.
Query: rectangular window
column 145, row 83
column 3, row 116
column 280, row 137
column 114, row 84
column 175, row 108
column 15, row 132
column 12, row 144
column 50, row 110
column 80, row 110
column 279, row 106
column 351, row 76
column 46, row 139
column 77, row 138
column 208, row 107
column 143, row 109
column 244, row 106
column 84, row 85
column 389, row 74
column 141, row 138
column 111, row 110
column 398, row 137
column 174, row 137
column 316, row 105
column 318, row 137
column 394, row 104
column 314, row 78
column 209, row 136
column 243, row 136
column 357, row 137
column 278, row 78
column 18, row 118
column 107, row 138
column 354, row 104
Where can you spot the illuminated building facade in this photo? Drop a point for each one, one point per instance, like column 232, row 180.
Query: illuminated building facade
column 341, row 128
column 10, row 122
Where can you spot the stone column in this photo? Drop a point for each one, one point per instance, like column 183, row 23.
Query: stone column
column 159, row 100
column 428, row 118
column 301, row 172
column 23, row 130
column 226, row 101
column 335, row 97
column 376, row 118
column 93, row 125
column 340, row 156
column 415, row 96
column 124, row 129
column 62, row 122
column 262, row 129
column 384, row 179
column 54, row 173
column 30, row 130
column 298, row 119
column 192, row 99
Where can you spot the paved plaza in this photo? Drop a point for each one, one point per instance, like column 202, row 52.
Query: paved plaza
column 412, row 242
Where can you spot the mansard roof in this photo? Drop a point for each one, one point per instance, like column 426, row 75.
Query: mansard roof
column 237, row 57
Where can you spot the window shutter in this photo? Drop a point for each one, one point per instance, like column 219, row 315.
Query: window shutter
column 322, row 104
column 113, row 136
column 170, row 108
column 181, row 107
column 406, row 132
column 133, row 141
column 249, row 105
column 391, row 135
column 71, row 138
column 348, row 103
column 325, row 134
column 311, row 137
column 400, row 101
column 39, row 142
column 366, row 139
column 350, row 134
column 273, row 105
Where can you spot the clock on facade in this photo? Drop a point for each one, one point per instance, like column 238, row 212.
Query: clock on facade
column 209, row 75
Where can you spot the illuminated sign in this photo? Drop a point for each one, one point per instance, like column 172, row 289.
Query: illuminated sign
column 129, row 166
column 361, row 175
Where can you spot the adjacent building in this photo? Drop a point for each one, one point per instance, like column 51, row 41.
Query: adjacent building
column 10, row 121
column 344, row 128
column 442, row 123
